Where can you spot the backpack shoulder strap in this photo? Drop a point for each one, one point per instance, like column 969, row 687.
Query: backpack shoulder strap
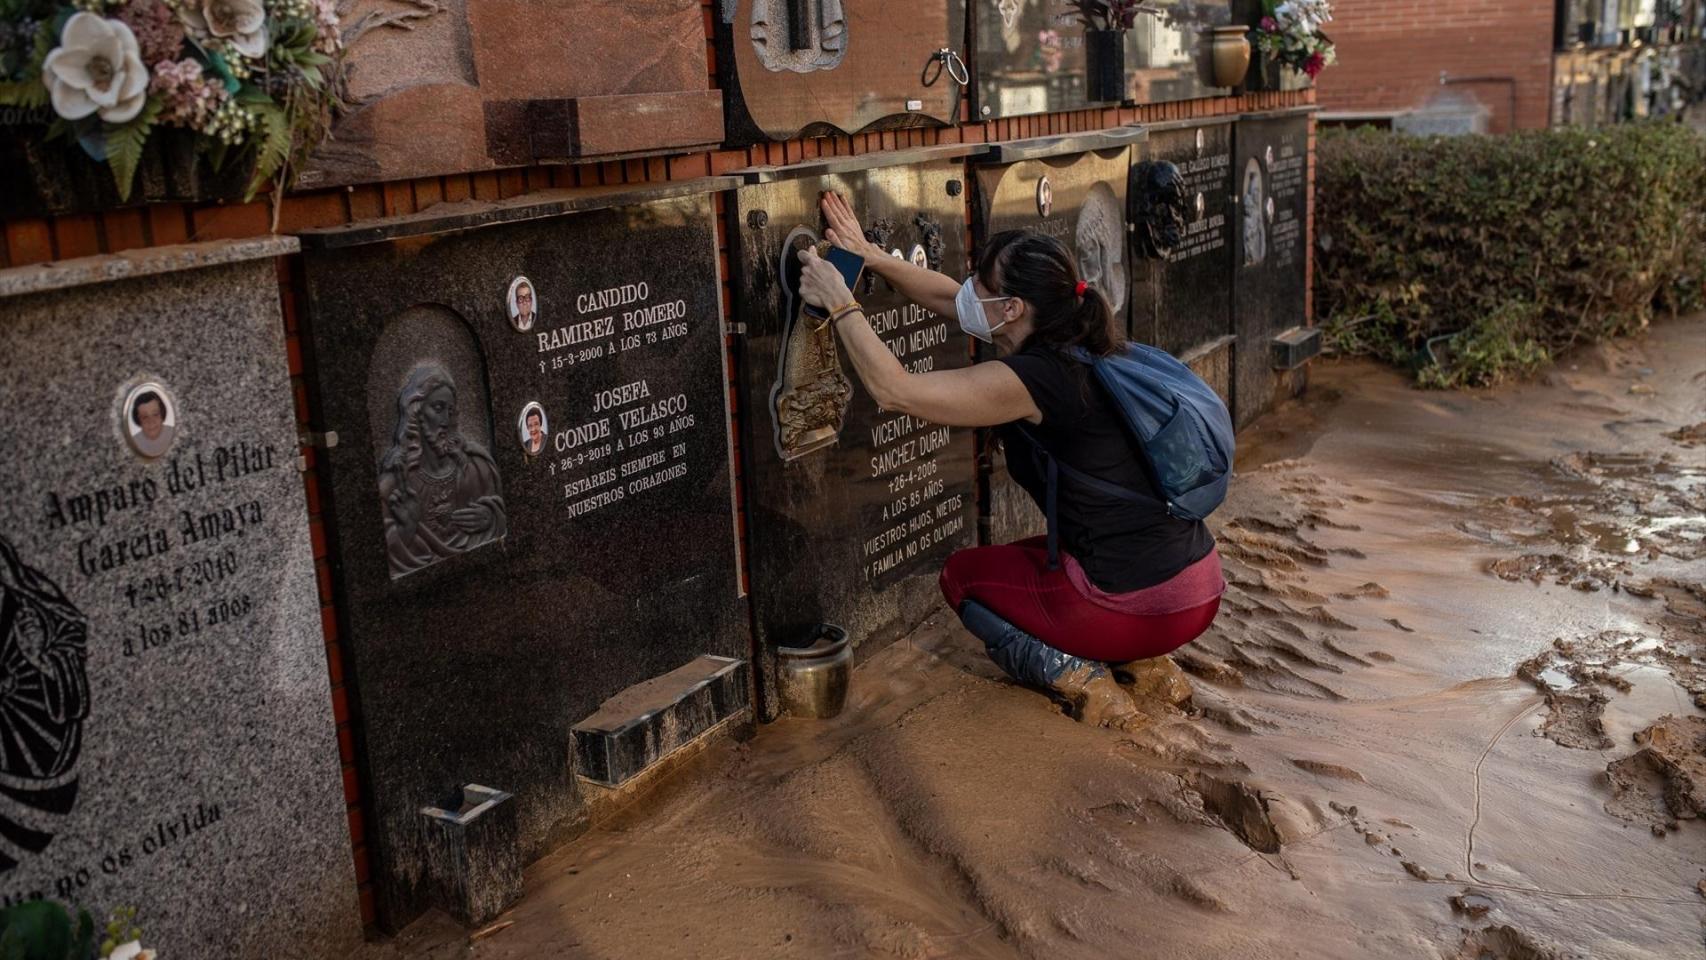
column 1051, row 468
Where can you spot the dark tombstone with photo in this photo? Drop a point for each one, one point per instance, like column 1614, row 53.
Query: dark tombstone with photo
column 164, row 704
column 580, row 469
column 1181, row 213
column 850, row 509
column 523, row 304
column 1271, row 256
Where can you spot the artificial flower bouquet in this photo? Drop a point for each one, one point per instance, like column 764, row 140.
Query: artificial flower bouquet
column 1290, row 33
column 253, row 80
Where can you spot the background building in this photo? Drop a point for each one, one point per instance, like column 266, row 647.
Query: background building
column 1462, row 66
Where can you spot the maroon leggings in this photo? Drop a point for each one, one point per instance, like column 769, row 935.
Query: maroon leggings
column 1014, row 581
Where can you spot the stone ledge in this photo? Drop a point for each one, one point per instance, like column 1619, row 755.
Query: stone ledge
column 1037, row 148
column 826, row 166
column 1165, row 126
column 108, row 267
column 473, row 214
column 1295, row 347
column 649, row 721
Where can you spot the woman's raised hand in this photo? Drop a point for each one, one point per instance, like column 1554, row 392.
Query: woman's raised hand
column 820, row 283
column 844, row 230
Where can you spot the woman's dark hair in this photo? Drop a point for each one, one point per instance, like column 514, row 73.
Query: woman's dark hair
column 146, row 396
column 1040, row 271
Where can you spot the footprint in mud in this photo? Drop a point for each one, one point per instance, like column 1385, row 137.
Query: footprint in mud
column 1240, row 808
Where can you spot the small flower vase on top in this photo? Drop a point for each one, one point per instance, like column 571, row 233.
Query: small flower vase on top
column 1104, row 55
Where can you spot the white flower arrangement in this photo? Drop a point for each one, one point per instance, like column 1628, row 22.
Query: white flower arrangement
column 1290, row 33
column 254, row 80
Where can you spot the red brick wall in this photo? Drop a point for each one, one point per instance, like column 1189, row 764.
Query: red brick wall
column 1391, row 53
column 59, row 238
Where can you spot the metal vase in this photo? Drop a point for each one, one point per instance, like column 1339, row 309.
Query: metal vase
column 813, row 678
column 1229, row 49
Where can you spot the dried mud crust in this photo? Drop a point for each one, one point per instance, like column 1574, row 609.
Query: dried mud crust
column 1664, row 781
column 1605, row 517
column 1504, row 942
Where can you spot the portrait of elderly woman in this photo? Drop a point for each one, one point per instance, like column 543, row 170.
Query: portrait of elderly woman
column 150, row 420
column 441, row 491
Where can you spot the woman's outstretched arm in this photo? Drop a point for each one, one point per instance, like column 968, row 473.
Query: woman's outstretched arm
column 985, row 395
column 931, row 290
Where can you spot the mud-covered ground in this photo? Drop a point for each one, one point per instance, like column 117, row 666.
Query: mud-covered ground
column 1451, row 708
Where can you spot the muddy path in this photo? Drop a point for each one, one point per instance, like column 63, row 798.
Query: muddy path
column 1451, row 708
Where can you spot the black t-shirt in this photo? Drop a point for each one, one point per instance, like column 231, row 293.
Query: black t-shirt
column 1121, row 544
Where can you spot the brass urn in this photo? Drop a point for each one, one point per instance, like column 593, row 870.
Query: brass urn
column 1229, row 51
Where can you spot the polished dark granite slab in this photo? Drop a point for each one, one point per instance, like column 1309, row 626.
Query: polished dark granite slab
column 1182, row 219
column 850, row 509
column 1270, row 262
column 492, row 595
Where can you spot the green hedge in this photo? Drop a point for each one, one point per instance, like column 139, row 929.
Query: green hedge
column 1474, row 258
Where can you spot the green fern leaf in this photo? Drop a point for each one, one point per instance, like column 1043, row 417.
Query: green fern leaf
column 273, row 150
column 23, row 94
column 124, row 146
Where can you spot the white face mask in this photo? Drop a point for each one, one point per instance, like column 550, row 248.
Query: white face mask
column 974, row 320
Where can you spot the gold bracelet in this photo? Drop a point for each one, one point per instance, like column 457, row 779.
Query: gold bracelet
column 837, row 311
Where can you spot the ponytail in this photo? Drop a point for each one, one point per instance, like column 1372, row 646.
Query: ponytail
column 1067, row 311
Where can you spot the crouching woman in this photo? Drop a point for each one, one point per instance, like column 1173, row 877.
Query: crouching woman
column 1132, row 581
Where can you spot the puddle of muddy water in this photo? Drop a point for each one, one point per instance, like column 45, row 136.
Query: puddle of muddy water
column 1652, row 693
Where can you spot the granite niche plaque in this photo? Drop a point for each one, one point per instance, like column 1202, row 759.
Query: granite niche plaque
column 452, row 86
column 531, row 505
column 1032, row 58
column 1181, row 211
column 1270, row 263
column 850, row 509
column 166, row 735
column 807, row 67
column 1073, row 189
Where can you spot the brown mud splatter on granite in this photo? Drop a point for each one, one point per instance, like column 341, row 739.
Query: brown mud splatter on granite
column 1453, row 691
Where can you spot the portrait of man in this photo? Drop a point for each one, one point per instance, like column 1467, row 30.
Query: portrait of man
column 150, row 420
column 523, row 304
column 441, row 492
column 1045, row 198
column 533, row 429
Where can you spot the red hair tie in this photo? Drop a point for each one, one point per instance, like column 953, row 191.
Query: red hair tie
column 1078, row 291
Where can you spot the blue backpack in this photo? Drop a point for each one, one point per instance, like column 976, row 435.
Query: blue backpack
column 1181, row 426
